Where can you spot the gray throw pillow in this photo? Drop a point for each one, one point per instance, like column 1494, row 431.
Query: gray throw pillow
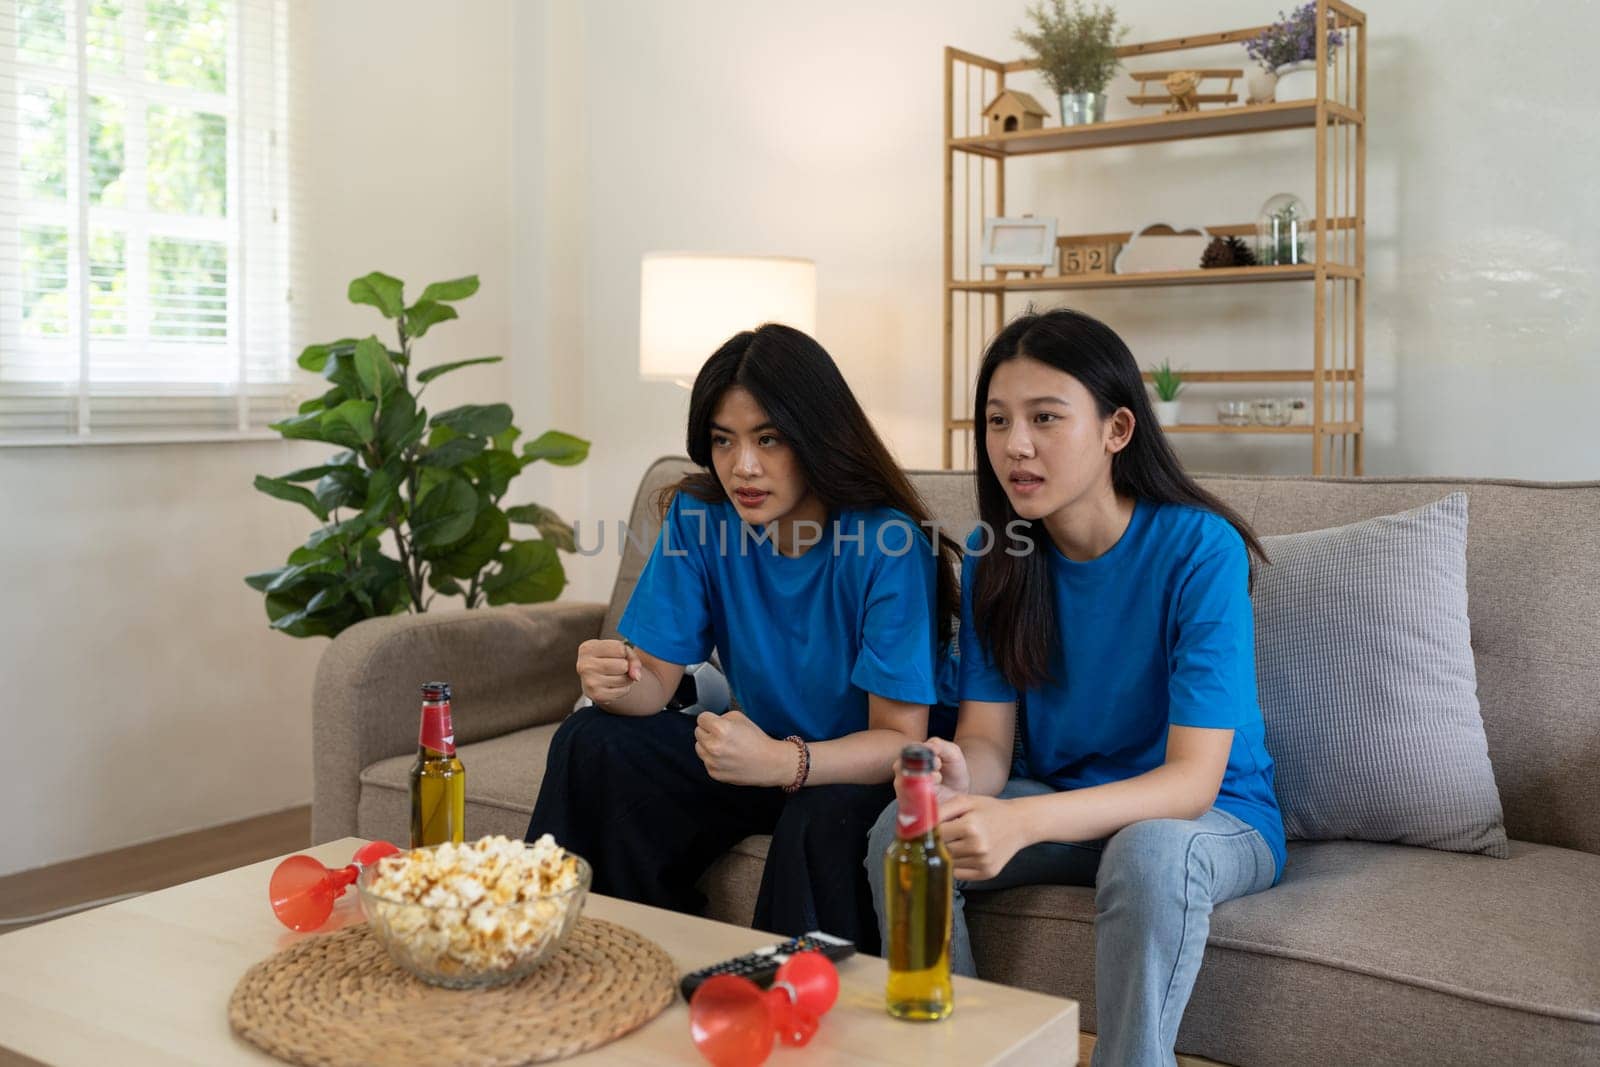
column 1367, row 684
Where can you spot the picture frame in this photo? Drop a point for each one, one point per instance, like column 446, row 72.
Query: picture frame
column 1022, row 243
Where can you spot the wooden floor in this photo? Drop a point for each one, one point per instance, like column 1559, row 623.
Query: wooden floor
column 153, row 865
column 1086, row 1050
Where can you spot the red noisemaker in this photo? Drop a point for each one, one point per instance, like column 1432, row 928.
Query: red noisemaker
column 733, row 1021
column 303, row 890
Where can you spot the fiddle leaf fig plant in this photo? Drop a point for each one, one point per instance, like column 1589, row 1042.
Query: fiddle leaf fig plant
column 427, row 486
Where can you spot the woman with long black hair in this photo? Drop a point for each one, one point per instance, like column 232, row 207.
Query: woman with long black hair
column 802, row 554
column 1115, row 606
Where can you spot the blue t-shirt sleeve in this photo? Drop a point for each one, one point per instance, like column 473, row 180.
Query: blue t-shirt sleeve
column 896, row 657
column 1213, row 682
column 669, row 613
column 980, row 679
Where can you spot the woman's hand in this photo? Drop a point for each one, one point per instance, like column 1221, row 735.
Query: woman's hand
column 607, row 669
column 981, row 834
column 950, row 763
column 737, row 751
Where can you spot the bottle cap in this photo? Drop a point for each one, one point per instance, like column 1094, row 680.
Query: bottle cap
column 916, row 759
column 433, row 692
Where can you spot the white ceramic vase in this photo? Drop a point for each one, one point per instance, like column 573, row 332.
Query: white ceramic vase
column 1260, row 85
column 1167, row 412
column 1296, row 81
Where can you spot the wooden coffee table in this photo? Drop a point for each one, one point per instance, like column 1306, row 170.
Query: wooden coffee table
column 147, row 981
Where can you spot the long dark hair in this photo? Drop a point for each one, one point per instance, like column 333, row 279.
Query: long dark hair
column 845, row 463
column 1013, row 599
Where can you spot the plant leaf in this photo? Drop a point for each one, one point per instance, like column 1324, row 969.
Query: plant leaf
column 341, row 371
column 341, row 534
column 314, row 357
column 261, row 579
column 383, row 491
column 327, row 597
column 469, row 556
column 445, row 514
column 400, row 425
column 426, row 314
column 381, row 291
column 332, row 398
column 493, row 470
column 351, row 423
column 551, row 527
column 307, row 427
column 530, row 572
column 445, row 368
column 443, row 583
column 342, row 487
column 507, row 440
column 476, row 420
column 455, row 289
column 307, row 474
column 374, row 368
column 562, row 449
column 453, row 452
column 297, row 494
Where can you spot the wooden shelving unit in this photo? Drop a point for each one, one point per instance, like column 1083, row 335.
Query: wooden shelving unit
column 974, row 297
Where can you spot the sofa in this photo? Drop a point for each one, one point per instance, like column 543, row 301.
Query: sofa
column 1365, row 953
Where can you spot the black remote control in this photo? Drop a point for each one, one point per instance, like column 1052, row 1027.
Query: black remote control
column 762, row 965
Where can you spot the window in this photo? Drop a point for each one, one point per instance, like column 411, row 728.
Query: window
column 145, row 261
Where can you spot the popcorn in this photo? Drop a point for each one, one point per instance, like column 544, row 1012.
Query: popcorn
column 486, row 905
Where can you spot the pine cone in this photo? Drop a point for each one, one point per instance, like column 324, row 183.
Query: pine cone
column 1227, row 252
column 1217, row 254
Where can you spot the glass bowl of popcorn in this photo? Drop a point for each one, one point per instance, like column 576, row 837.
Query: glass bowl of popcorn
column 476, row 914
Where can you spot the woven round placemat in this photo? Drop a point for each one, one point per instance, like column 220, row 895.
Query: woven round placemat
column 339, row 1000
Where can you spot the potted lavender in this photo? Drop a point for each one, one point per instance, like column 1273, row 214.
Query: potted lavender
column 1288, row 50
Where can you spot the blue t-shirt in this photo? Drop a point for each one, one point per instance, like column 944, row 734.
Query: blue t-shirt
column 1156, row 632
column 802, row 639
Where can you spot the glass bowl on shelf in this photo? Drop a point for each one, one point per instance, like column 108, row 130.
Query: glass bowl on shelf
column 1269, row 411
column 1233, row 412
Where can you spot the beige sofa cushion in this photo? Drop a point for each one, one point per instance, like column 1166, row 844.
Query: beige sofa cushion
column 1374, row 950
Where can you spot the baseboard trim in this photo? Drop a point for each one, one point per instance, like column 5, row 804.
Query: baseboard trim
column 154, row 864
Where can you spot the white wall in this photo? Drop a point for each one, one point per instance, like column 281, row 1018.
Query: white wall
column 144, row 694
column 712, row 124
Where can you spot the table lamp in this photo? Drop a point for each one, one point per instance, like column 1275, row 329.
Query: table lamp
column 691, row 302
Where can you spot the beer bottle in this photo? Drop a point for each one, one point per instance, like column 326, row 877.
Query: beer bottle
column 919, row 882
column 438, row 781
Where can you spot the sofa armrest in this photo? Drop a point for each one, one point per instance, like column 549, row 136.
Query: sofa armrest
column 510, row 668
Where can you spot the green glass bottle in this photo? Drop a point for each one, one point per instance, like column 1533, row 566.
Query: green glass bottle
column 919, row 883
column 438, row 780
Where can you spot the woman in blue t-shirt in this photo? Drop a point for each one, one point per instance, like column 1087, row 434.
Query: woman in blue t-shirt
column 1109, row 594
column 802, row 555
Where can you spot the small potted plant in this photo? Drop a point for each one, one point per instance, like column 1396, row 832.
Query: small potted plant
column 1288, row 49
column 1168, row 384
column 1076, row 49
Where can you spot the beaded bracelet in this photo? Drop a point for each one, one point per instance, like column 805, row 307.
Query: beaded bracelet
column 803, row 769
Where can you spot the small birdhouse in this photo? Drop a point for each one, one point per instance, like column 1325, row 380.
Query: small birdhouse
column 1013, row 110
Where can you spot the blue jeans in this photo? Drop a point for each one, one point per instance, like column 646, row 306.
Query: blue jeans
column 1155, row 885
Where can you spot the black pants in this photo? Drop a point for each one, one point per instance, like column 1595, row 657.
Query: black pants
column 629, row 795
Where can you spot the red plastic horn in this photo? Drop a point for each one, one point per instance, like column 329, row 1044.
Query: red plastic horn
column 733, row 1021
column 302, row 890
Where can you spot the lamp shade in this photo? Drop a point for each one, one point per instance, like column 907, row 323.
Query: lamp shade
column 690, row 303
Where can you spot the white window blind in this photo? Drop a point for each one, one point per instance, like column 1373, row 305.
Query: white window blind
column 145, row 219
